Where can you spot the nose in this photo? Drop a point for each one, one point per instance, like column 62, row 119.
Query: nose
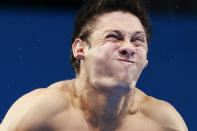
column 127, row 51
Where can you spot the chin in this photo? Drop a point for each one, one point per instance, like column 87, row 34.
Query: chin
column 112, row 85
column 126, row 77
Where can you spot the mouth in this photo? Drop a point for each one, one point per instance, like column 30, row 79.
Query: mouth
column 127, row 61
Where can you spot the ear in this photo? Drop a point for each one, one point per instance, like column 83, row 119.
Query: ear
column 78, row 48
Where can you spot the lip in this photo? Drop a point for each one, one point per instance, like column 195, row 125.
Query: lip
column 127, row 61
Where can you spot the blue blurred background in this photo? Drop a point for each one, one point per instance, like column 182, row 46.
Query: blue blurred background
column 35, row 48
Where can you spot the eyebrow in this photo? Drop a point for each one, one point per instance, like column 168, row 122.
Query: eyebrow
column 131, row 34
column 139, row 33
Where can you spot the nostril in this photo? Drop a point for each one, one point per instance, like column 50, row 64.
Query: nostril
column 132, row 53
column 127, row 53
column 123, row 52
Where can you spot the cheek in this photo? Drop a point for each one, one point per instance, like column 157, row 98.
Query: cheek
column 104, row 51
column 100, row 58
column 141, row 55
column 96, row 56
column 97, row 62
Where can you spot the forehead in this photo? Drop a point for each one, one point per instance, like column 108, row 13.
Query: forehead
column 118, row 20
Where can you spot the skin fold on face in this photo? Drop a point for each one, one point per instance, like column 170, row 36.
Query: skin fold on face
column 118, row 51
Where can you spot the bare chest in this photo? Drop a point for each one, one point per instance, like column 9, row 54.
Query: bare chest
column 139, row 122
column 74, row 121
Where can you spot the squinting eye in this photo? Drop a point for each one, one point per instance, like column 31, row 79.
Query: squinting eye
column 113, row 36
column 139, row 40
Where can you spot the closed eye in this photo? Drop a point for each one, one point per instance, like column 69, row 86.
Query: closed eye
column 138, row 39
column 141, row 39
column 114, row 36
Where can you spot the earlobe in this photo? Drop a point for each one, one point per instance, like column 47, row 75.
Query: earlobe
column 78, row 49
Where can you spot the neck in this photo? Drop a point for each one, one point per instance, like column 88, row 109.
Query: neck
column 102, row 108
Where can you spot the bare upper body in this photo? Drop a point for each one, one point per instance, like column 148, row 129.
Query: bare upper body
column 103, row 97
column 56, row 108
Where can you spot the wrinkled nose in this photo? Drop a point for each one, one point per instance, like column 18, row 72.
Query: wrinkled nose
column 127, row 51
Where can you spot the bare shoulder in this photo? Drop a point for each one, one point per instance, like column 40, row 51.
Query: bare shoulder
column 161, row 112
column 38, row 106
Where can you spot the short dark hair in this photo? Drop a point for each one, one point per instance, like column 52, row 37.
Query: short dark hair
column 87, row 16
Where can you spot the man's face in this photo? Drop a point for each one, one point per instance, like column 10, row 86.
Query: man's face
column 118, row 52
